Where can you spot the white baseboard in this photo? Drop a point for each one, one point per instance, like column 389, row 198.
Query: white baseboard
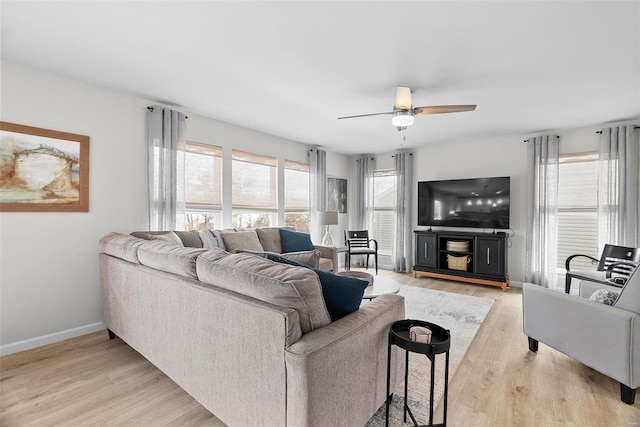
column 515, row 284
column 16, row 347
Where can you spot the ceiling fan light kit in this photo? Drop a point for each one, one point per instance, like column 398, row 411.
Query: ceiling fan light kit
column 403, row 113
column 402, row 118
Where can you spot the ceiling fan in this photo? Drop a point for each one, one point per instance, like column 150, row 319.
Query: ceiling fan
column 404, row 113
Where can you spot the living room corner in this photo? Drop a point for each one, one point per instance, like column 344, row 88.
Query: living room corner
column 99, row 309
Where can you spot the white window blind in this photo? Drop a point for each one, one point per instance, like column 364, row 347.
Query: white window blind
column 578, row 209
column 296, row 195
column 296, row 186
column 203, row 180
column 384, row 185
column 254, row 181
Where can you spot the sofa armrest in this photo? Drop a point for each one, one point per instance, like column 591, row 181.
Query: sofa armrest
column 349, row 358
column 603, row 337
column 330, row 252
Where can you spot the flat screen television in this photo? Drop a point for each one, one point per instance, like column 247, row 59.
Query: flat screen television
column 474, row 203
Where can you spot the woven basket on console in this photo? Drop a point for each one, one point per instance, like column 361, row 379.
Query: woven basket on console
column 458, row 262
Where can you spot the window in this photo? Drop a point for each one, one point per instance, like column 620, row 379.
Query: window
column 203, row 186
column 296, row 195
column 384, row 186
column 578, row 208
column 253, row 190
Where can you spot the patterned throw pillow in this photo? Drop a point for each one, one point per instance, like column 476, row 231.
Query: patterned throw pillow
column 604, row 296
column 212, row 239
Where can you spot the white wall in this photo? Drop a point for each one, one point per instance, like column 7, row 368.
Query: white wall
column 49, row 271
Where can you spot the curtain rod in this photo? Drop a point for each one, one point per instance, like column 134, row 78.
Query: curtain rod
column 635, row 127
column 527, row 140
column 152, row 108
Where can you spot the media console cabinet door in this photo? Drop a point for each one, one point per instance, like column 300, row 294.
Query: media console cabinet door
column 490, row 256
column 426, row 250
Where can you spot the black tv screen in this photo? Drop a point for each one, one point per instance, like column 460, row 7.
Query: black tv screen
column 474, row 203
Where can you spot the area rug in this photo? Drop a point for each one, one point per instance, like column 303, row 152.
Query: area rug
column 462, row 315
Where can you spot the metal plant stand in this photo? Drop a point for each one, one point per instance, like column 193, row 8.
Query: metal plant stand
column 440, row 343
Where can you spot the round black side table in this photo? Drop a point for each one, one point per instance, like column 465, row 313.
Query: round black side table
column 440, row 343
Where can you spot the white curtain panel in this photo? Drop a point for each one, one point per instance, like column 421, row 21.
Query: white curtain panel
column 365, row 166
column 542, row 212
column 318, row 189
column 402, row 255
column 166, row 152
column 618, row 186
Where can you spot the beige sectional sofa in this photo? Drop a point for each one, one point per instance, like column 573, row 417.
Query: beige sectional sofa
column 248, row 338
column 269, row 238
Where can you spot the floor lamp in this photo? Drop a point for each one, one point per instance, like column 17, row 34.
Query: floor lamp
column 327, row 219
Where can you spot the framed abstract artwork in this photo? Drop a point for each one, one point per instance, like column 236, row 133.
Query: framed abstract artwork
column 43, row 170
column 337, row 195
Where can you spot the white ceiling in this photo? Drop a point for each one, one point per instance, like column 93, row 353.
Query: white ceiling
column 291, row 68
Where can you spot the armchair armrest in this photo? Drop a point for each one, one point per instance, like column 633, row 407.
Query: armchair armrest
column 375, row 242
column 603, row 337
column 568, row 260
column 330, row 252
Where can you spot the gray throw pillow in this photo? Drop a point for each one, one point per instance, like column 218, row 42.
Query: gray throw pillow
column 247, row 240
column 170, row 237
column 310, row 258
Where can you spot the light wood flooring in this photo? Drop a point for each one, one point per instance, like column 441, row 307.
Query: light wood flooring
column 94, row 381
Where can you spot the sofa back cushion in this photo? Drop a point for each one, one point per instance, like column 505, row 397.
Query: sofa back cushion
column 170, row 258
column 123, row 246
column 257, row 277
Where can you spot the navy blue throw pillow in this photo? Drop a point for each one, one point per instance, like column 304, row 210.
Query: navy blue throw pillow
column 285, row 260
column 294, row 241
column 342, row 294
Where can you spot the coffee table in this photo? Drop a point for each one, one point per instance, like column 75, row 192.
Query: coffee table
column 379, row 287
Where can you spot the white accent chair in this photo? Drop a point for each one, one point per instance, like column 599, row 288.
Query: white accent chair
column 603, row 337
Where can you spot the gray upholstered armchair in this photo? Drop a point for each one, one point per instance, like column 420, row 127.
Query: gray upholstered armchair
column 603, row 337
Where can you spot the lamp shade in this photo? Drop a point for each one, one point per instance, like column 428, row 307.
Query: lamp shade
column 328, row 218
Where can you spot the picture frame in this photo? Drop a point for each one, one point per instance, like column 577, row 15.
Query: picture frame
column 43, row 170
column 337, row 195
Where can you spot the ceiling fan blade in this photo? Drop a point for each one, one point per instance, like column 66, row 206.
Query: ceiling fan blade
column 365, row 115
column 440, row 109
column 403, row 98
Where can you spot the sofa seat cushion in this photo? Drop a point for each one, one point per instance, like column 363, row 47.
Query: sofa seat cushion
column 342, row 294
column 247, row 240
column 170, row 258
column 257, row 277
column 294, row 241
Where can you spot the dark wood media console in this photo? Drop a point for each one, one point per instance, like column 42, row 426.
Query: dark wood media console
column 463, row 256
